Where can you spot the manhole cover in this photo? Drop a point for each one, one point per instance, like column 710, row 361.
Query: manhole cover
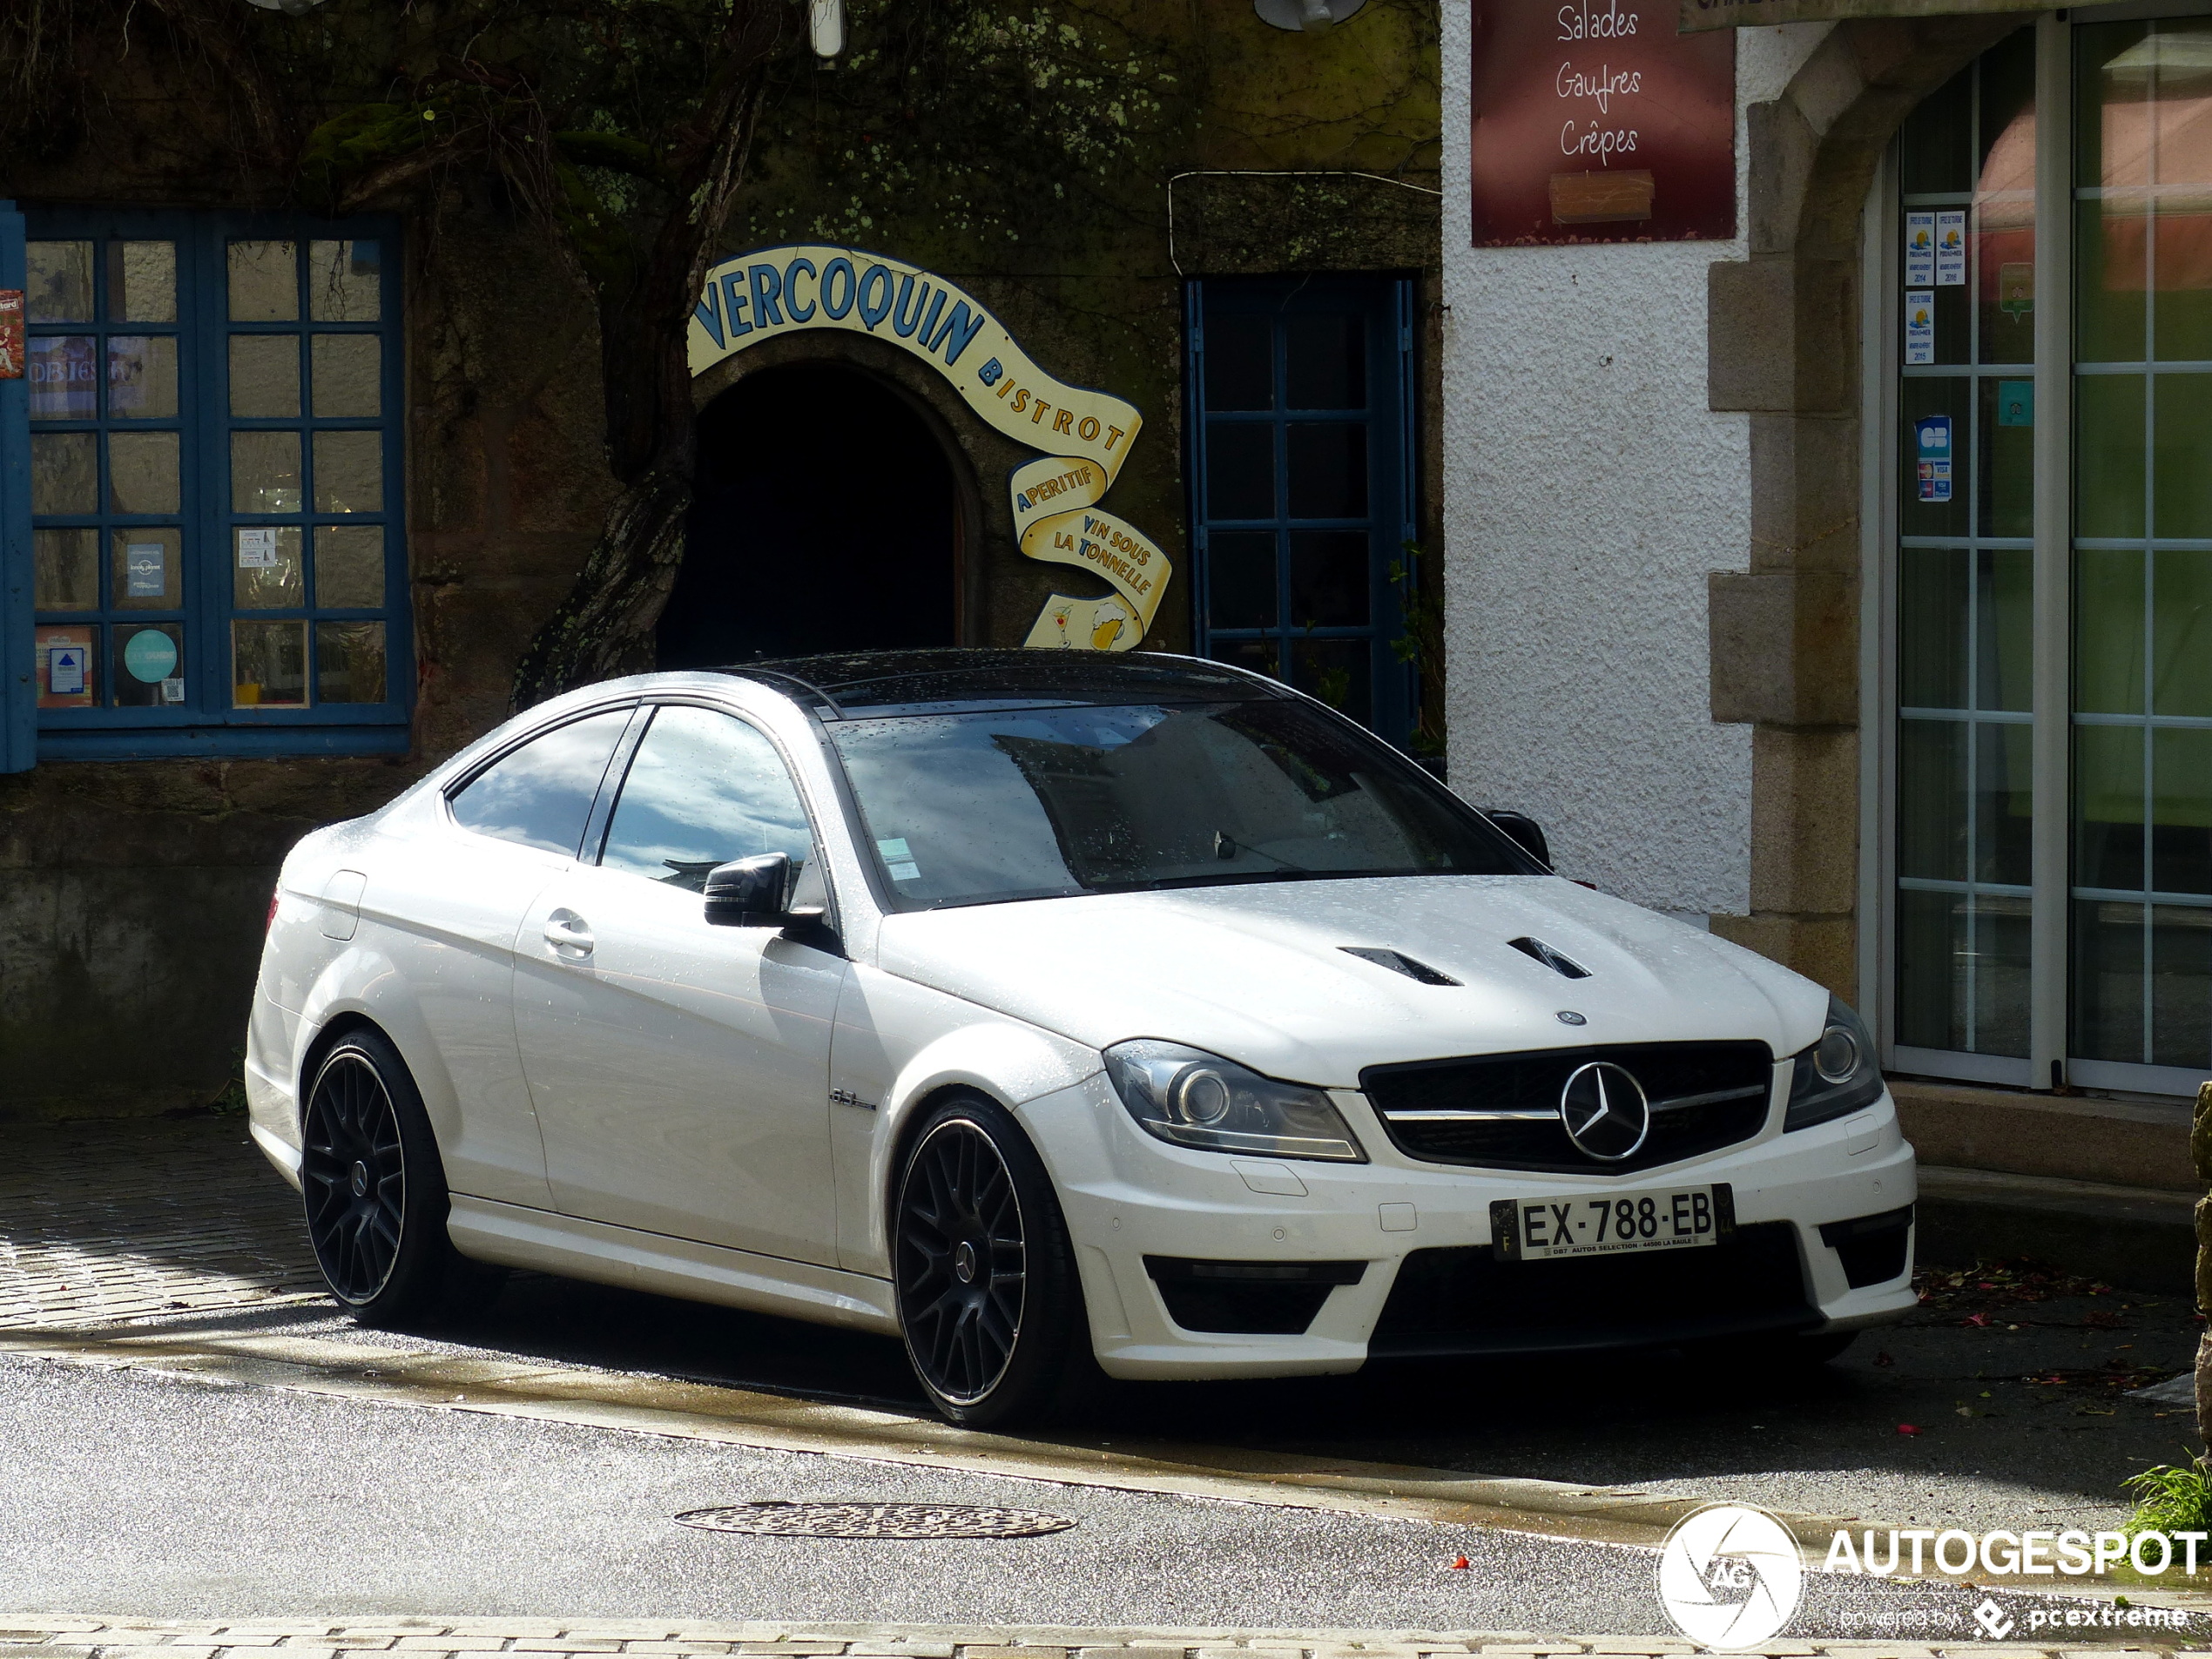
column 878, row 1520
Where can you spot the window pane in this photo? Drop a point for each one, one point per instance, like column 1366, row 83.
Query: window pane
column 2006, row 646
column 65, row 472
column 2181, row 479
column 2109, row 807
column 149, row 665
column 2181, row 235
column 1329, row 579
column 704, row 789
column 1260, row 655
column 268, row 664
column 264, row 282
column 68, row 659
column 1240, row 370
column 1931, row 621
column 142, row 377
column 1241, row 572
column 1327, row 362
column 2108, row 631
column 1328, row 471
column 2004, row 228
column 146, row 571
column 60, row 285
column 2181, row 837
column 265, row 574
column 142, row 472
column 1937, row 144
column 1240, row 470
column 1931, row 950
column 344, row 281
column 2108, row 455
column 2180, row 987
column 142, row 281
column 2000, row 973
column 346, row 369
column 66, row 567
column 264, row 472
column 2108, row 981
column 1931, row 800
column 2109, row 281
column 2005, row 810
column 1928, row 503
column 1335, row 670
column 2182, row 674
column 65, row 378
column 2007, row 469
column 349, row 472
column 349, row 661
column 349, row 567
column 264, row 376
column 540, row 794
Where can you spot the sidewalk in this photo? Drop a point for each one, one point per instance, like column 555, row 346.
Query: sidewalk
column 431, row 1639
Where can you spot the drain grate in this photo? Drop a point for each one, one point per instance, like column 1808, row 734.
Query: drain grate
column 878, row 1520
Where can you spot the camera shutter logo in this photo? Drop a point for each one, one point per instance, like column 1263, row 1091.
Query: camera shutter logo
column 1729, row 1576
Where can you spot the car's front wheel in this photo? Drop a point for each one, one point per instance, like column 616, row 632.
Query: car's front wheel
column 988, row 1300
column 375, row 1190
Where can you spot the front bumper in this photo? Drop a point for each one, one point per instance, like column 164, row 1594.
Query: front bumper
column 1128, row 1196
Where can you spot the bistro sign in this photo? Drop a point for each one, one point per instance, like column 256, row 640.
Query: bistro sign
column 1086, row 435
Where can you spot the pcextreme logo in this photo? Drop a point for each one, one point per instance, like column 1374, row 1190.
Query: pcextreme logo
column 1729, row 1576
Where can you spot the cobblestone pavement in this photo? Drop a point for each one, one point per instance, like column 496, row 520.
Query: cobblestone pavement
column 103, row 1221
column 558, row 1639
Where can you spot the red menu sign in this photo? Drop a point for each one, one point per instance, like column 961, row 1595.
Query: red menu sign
column 1595, row 122
column 11, row 334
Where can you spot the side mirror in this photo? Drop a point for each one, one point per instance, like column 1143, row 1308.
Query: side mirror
column 752, row 892
column 1527, row 833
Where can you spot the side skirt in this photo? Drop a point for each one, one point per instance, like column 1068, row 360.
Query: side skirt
column 515, row 1236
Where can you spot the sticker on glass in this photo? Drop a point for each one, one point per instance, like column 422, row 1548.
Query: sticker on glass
column 65, row 670
column 257, row 548
column 1932, row 438
column 2016, row 288
column 1919, row 326
column 173, row 689
column 1950, row 248
column 1920, row 249
column 151, row 656
column 2016, row 403
column 898, row 859
column 145, row 567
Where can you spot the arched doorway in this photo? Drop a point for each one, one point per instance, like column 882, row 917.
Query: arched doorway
column 824, row 519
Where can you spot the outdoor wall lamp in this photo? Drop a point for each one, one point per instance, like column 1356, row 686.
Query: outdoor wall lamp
column 1309, row 16
column 825, row 27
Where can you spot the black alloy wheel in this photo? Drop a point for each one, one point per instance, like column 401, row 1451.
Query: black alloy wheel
column 988, row 1300
column 373, row 1190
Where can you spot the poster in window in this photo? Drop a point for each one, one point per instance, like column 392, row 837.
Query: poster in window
column 1593, row 121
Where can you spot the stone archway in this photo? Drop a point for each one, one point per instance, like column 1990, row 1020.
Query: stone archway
column 1783, row 347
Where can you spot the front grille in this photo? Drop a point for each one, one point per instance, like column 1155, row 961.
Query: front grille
column 1464, row 1300
column 1741, row 1075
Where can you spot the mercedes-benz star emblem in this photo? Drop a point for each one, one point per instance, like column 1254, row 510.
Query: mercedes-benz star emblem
column 1603, row 1110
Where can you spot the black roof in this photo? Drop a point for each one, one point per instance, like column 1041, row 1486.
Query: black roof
column 884, row 682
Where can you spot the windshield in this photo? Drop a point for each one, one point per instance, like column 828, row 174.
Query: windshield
column 1042, row 803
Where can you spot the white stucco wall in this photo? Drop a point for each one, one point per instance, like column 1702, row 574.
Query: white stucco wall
column 1588, row 491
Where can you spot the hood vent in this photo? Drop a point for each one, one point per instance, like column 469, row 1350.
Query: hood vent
column 1398, row 963
column 1565, row 967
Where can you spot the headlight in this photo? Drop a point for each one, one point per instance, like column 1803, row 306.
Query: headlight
column 1838, row 1075
column 1192, row 1098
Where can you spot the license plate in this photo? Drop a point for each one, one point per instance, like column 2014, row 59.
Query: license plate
column 1607, row 1223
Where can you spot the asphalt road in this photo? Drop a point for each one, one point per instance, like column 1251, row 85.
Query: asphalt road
column 121, row 1491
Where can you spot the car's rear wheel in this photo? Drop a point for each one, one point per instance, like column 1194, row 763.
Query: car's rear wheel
column 374, row 1189
column 988, row 1300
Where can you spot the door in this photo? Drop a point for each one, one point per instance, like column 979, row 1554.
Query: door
column 679, row 1070
column 1301, row 485
column 447, row 917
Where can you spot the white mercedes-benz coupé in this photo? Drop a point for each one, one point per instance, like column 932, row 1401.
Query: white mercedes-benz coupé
column 1053, row 1013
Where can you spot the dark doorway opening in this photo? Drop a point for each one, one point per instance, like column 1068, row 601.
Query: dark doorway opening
column 825, row 519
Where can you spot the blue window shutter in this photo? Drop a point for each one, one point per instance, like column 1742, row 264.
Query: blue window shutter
column 18, row 664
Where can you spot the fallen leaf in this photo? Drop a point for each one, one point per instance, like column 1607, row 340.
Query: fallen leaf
column 1907, row 1428
column 1883, row 1358
column 1458, row 1563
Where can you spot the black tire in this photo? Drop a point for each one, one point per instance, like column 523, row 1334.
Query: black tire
column 989, row 1303
column 374, row 1190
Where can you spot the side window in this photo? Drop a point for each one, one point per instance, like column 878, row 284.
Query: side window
column 541, row 794
column 704, row 789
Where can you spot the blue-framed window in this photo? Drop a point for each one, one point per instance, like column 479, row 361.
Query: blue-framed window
column 219, row 562
column 1302, row 487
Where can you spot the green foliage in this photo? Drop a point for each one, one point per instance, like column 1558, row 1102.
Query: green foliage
column 2171, row 1497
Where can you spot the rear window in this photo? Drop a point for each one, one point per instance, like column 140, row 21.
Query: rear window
column 540, row 794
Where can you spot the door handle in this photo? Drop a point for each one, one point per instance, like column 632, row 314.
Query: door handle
column 569, row 935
